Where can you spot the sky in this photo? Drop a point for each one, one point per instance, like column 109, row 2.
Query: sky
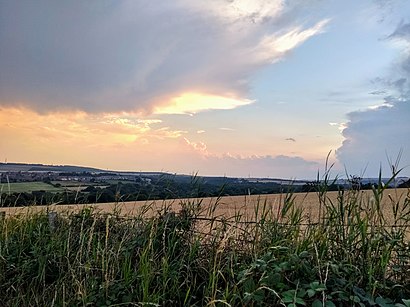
column 238, row 88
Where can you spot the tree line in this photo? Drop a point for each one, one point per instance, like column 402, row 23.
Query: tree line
column 163, row 189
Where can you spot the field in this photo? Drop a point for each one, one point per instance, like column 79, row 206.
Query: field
column 22, row 187
column 77, row 185
column 227, row 206
column 317, row 249
column 55, row 186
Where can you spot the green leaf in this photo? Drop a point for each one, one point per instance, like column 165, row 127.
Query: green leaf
column 287, row 299
column 271, row 279
column 311, row 293
column 321, row 288
column 317, row 286
column 290, row 293
column 384, row 302
column 301, row 293
column 330, row 304
column 258, row 295
column 317, row 303
column 304, row 254
column 249, row 285
column 300, row 301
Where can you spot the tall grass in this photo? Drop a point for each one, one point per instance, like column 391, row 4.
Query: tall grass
column 354, row 253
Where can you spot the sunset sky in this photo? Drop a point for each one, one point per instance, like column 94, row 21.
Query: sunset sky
column 238, row 88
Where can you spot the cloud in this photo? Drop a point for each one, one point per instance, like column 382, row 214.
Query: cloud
column 402, row 32
column 79, row 128
column 272, row 46
column 340, row 126
column 381, row 132
column 191, row 103
column 258, row 166
column 373, row 135
column 226, row 129
column 379, row 92
column 140, row 55
column 280, row 166
column 199, row 147
column 290, row 139
column 123, row 141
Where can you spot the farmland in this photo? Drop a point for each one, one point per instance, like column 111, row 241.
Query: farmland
column 337, row 245
column 325, row 248
column 226, row 206
column 27, row 187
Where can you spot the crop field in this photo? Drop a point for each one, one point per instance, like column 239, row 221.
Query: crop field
column 55, row 186
column 22, row 187
column 248, row 206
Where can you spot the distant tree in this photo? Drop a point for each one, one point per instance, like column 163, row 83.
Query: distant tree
column 405, row 184
column 90, row 188
column 355, row 182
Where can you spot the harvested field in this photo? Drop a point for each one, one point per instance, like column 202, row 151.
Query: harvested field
column 228, row 207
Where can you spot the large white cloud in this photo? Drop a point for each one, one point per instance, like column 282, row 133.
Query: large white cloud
column 104, row 55
column 377, row 135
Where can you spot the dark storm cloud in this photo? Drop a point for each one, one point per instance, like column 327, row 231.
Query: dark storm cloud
column 120, row 55
column 88, row 55
column 374, row 136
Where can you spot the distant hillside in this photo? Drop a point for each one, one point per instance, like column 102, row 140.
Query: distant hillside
column 26, row 167
column 29, row 167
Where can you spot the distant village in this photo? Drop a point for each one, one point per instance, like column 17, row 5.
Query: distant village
column 22, row 172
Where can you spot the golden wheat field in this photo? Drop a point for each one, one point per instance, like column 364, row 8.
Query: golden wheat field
column 248, row 206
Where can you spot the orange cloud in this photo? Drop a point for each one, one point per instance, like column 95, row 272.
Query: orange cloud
column 76, row 137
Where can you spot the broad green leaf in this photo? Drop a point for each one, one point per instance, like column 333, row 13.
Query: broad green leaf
column 384, row 302
column 330, row 304
column 311, row 292
column 300, row 301
column 317, row 303
column 287, row 299
column 301, row 293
